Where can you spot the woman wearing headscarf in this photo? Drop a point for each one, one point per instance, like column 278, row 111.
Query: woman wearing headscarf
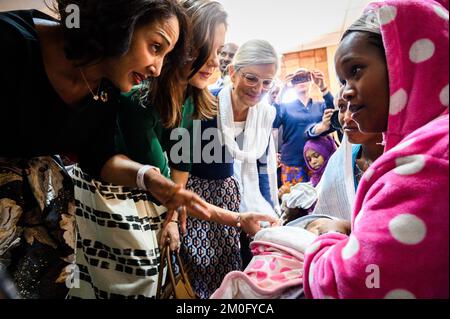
column 317, row 153
column 336, row 191
column 399, row 241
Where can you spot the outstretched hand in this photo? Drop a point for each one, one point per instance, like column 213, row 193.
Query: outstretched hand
column 251, row 222
column 175, row 197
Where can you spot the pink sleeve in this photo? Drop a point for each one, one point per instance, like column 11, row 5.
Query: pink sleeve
column 399, row 246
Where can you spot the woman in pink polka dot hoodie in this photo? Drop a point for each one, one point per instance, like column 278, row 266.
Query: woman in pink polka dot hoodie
column 394, row 66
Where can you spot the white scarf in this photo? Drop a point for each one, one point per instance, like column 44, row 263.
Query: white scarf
column 336, row 189
column 257, row 137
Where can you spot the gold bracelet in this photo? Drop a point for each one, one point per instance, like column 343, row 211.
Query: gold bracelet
column 175, row 221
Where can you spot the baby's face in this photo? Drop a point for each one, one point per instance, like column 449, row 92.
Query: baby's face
column 314, row 159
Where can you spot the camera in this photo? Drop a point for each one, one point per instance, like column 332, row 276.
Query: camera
column 335, row 121
column 301, row 78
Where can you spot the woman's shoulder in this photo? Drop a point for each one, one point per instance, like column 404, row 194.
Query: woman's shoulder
column 13, row 36
column 17, row 26
column 133, row 109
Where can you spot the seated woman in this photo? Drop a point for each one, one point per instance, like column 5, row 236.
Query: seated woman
column 401, row 210
column 337, row 190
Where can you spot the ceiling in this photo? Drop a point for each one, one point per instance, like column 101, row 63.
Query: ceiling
column 290, row 25
column 6, row 5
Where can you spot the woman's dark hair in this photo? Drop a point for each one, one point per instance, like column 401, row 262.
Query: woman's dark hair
column 205, row 16
column 374, row 39
column 107, row 26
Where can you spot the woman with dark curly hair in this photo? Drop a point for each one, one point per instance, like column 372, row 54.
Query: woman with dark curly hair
column 59, row 88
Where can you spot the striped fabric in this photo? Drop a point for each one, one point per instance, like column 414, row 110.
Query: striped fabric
column 117, row 252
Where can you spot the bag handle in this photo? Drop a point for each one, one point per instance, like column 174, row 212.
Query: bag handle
column 162, row 261
column 166, row 258
column 170, row 271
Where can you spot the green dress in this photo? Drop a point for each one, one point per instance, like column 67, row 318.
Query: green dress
column 118, row 227
column 210, row 249
column 144, row 139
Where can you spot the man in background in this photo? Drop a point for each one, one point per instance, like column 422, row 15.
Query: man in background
column 226, row 57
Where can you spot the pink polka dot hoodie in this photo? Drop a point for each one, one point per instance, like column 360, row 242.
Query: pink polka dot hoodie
column 399, row 245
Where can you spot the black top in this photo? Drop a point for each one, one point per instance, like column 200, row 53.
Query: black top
column 34, row 120
column 221, row 165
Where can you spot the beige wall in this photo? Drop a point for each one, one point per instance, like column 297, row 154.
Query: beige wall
column 334, row 82
column 315, row 59
column 6, row 5
column 321, row 59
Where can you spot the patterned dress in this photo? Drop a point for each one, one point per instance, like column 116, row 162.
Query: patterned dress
column 37, row 226
column 212, row 250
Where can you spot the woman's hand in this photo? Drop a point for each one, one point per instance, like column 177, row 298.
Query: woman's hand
column 287, row 84
column 251, row 222
column 325, row 225
column 174, row 196
column 325, row 125
column 170, row 236
column 319, row 79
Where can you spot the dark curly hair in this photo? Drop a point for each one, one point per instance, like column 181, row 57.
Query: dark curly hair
column 107, row 27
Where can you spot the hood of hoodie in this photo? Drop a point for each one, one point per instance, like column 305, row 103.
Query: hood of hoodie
column 416, row 39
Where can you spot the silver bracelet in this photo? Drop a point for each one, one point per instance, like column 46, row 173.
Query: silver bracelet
column 140, row 177
column 238, row 221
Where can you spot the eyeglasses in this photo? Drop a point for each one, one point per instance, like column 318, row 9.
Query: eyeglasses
column 253, row 80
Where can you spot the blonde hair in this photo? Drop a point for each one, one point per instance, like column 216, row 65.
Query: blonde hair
column 255, row 52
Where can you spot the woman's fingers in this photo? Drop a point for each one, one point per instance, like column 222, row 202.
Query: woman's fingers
column 193, row 203
column 169, row 217
column 183, row 219
column 272, row 220
column 171, row 237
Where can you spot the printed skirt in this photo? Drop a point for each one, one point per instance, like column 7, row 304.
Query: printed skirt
column 117, row 254
column 37, row 226
column 212, row 250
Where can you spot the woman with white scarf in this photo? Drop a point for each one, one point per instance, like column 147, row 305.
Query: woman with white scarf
column 243, row 177
column 245, row 123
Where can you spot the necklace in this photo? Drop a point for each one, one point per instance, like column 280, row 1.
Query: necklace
column 366, row 164
column 103, row 96
column 362, row 167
